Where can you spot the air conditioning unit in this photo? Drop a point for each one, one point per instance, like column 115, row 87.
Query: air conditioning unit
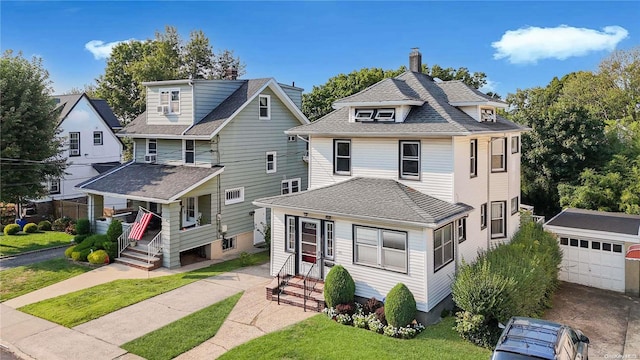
column 150, row 159
column 163, row 109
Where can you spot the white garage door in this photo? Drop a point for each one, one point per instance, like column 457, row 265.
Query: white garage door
column 593, row 263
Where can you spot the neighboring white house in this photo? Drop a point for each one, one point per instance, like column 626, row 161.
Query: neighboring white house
column 594, row 244
column 407, row 178
column 88, row 127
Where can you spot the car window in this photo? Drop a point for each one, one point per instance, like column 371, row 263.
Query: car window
column 567, row 349
column 574, row 337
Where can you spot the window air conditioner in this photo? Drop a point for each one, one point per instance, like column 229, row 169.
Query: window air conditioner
column 150, row 159
column 163, row 109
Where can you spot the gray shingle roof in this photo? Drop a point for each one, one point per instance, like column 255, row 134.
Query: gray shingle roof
column 102, row 168
column 459, row 92
column 435, row 117
column 383, row 199
column 162, row 182
column 65, row 104
column 103, row 108
column 392, row 89
column 619, row 223
column 139, row 126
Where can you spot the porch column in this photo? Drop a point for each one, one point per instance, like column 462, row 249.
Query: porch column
column 95, row 207
column 171, row 235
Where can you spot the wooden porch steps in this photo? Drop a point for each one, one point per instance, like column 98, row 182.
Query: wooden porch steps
column 293, row 293
column 137, row 257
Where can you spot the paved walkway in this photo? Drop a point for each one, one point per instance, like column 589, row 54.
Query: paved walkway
column 31, row 337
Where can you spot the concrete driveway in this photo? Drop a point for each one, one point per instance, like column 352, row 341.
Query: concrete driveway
column 611, row 320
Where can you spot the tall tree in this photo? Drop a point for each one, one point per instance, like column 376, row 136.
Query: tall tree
column 29, row 147
column 198, row 56
column 226, row 60
column 317, row 103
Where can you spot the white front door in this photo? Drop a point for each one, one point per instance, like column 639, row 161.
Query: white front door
column 259, row 222
column 189, row 211
column 595, row 263
column 310, row 245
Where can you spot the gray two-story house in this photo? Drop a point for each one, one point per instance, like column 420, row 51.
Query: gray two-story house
column 203, row 151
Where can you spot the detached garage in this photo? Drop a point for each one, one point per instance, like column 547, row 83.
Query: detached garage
column 597, row 249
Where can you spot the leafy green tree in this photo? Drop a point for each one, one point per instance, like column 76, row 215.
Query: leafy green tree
column 30, row 151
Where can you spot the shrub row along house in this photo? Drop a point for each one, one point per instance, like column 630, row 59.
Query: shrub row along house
column 203, row 151
column 406, row 179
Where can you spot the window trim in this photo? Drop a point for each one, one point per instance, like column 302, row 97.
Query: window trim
column 515, row 149
column 185, row 150
column 170, row 102
column 483, row 216
column 74, row 152
column 230, row 240
column 237, row 200
column 453, row 248
column 101, row 142
column 335, row 156
column 503, row 168
column 292, row 138
column 391, row 117
column 379, row 248
column 504, row 220
column 514, row 209
column 401, row 174
column 461, row 230
column 268, row 107
column 325, row 235
column 185, row 212
column 274, row 162
column 50, row 184
column 287, row 233
column 358, row 118
column 473, row 158
column 155, row 151
column 493, row 116
column 289, row 183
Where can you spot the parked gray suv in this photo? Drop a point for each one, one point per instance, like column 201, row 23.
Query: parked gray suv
column 527, row 338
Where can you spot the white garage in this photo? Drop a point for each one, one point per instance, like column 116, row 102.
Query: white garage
column 594, row 245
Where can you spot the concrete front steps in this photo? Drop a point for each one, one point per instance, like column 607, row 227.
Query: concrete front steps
column 293, row 293
column 137, row 257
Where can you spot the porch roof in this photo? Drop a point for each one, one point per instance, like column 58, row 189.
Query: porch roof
column 149, row 182
column 375, row 199
column 611, row 222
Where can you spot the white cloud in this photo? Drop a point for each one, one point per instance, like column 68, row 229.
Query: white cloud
column 489, row 86
column 100, row 49
column 530, row 44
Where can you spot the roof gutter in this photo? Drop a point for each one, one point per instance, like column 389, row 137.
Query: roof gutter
column 339, row 105
column 164, row 136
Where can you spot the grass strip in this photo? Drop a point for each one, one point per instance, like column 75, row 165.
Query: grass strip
column 21, row 242
column 184, row 334
column 323, row 339
column 88, row 304
column 25, row 279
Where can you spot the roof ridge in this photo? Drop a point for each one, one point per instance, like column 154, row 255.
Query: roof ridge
column 404, row 196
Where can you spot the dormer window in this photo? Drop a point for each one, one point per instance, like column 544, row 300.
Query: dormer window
column 375, row 115
column 487, row 115
column 169, row 101
column 385, row 115
column 364, row 114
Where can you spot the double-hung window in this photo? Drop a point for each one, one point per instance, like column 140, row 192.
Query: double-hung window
column 498, row 219
column 264, row 107
column 442, row 246
column 410, row 160
column 498, row 154
column 515, row 144
column 74, row 144
column 271, row 162
column 473, row 158
column 329, row 240
column 97, row 138
column 342, row 157
column 290, row 186
column 54, row 186
column 169, row 101
column 461, row 232
column 483, row 216
column 152, row 146
column 385, row 249
column 514, row 205
column 189, row 151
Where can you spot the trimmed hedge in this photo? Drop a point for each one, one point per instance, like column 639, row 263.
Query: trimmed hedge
column 516, row 279
column 11, row 229
column 339, row 287
column 44, row 225
column 83, row 227
column 400, row 306
column 98, row 257
column 78, row 239
column 30, row 228
column 93, row 242
column 69, row 251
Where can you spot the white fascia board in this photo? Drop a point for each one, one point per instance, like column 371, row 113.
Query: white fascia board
column 164, row 136
column 453, row 218
column 339, row 105
column 604, row 235
column 130, row 197
column 166, row 82
column 185, row 191
column 480, row 103
column 379, row 135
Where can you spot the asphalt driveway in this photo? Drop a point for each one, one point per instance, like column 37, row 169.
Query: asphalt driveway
column 602, row 315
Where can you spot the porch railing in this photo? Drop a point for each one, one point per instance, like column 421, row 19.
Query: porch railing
column 287, row 270
column 310, row 280
column 123, row 239
column 538, row 219
column 154, row 247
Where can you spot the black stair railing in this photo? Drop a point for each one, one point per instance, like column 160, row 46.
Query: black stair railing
column 286, row 272
column 310, row 280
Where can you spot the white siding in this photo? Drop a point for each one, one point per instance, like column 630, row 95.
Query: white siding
column 380, row 158
column 185, row 117
column 438, row 283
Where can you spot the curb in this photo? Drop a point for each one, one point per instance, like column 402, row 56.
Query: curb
column 35, row 251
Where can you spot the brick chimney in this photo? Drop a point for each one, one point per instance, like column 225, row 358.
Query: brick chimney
column 231, row 73
column 415, row 60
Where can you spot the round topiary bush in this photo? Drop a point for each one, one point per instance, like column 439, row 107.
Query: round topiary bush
column 339, row 287
column 44, row 225
column 30, row 228
column 400, row 306
column 98, row 257
column 11, row 229
column 69, row 251
column 80, row 255
column 83, row 227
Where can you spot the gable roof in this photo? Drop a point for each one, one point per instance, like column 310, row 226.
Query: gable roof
column 436, row 117
column 66, row 103
column 371, row 198
column 141, row 181
column 103, row 108
column 619, row 223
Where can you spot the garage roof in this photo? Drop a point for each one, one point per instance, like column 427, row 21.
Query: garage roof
column 619, row 223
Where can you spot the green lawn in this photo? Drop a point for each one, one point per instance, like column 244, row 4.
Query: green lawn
column 184, row 334
column 85, row 305
column 321, row 338
column 24, row 279
column 21, row 242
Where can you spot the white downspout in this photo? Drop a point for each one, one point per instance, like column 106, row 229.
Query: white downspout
column 487, row 215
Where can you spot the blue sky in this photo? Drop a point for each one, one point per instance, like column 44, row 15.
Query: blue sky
column 517, row 44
